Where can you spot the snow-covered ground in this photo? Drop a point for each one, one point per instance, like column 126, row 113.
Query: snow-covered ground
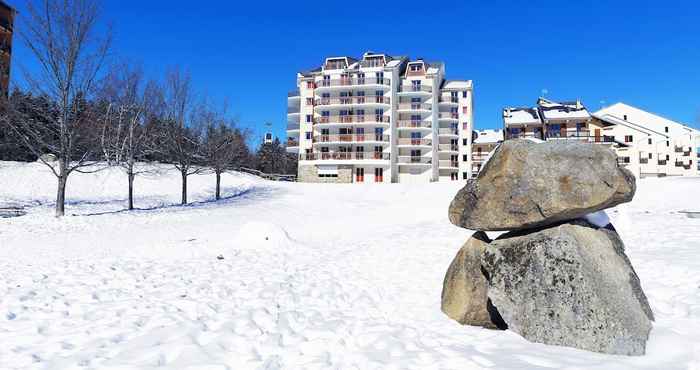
column 313, row 277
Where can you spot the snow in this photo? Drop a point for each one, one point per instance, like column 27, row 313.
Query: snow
column 516, row 116
column 312, row 277
column 489, row 137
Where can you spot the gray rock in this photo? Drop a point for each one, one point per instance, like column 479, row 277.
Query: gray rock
column 528, row 185
column 464, row 296
column 569, row 285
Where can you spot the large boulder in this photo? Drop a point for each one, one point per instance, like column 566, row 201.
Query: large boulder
column 527, row 185
column 464, row 297
column 569, row 285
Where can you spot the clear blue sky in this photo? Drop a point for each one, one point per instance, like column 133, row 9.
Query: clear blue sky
column 646, row 54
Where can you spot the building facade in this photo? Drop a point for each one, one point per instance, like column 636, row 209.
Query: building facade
column 483, row 144
column 645, row 143
column 380, row 118
column 7, row 20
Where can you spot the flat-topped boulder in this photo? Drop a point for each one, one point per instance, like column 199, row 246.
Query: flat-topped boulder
column 528, row 185
column 569, row 285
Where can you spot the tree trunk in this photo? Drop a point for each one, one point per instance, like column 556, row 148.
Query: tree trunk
column 218, row 185
column 184, row 188
column 61, row 195
column 131, row 190
column 61, row 191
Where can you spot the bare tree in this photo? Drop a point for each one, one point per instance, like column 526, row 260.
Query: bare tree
column 63, row 36
column 126, row 138
column 224, row 148
column 179, row 141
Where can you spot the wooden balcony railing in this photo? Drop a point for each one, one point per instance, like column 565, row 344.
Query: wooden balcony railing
column 414, row 142
column 353, row 100
column 370, row 118
column 335, row 156
column 413, row 124
column 350, row 138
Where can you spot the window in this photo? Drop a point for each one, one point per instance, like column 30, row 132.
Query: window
column 465, row 110
column 308, row 135
column 359, row 175
column 667, row 157
column 649, row 155
column 666, row 129
column 464, row 176
column 668, row 143
column 309, row 84
column 378, row 175
column 628, row 138
column 464, row 142
column 309, row 118
column 464, row 94
column 625, row 117
column 309, row 101
column 416, row 67
column 465, row 158
column 649, row 141
column 625, row 159
column 380, row 77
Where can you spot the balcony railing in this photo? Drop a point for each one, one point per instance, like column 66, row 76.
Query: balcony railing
column 414, row 142
column 449, row 99
column 450, row 115
column 371, row 63
column 370, row 118
column 448, row 147
column 293, row 94
column 293, row 110
column 662, row 162
column 413, row 124
column 415, row 106
column 335, row 156
column 448, row 131
column 353, row 82
column 353, row 100
column 448, row 164
column 415, row 88
column 404, row 159
column 292, row 126
column 292, row 143
column 349, row 138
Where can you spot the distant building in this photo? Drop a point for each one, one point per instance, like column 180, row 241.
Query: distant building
column 653, row 145
column 268, row 139
column 483, row 143
column 645, row 143
column 7, row 20
column 380, row 118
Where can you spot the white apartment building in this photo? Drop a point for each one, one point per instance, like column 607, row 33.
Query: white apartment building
column 483, row 143
column 646, row 144
column 380, row 118
column 653, row 145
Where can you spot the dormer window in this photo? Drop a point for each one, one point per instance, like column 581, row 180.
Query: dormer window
column 416, row 67
column 370, row 62
column 335, row 64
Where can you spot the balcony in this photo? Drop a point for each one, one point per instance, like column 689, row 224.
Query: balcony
column 293, row 94
column 414, row 160
column 415, row 88
column 448, row 115
column 350, row 100
column 448, row 164
column 361, row 81
column 293, row 110
column 448, row 132
column 415, row 106
column 344, row 156
column 350, row 138
column 340, row 119
column 413, row 124
column 413, row 142
column 449, row 100
column 662, row 162
column 448, row 147
column 291, row 143
column 372, row 63
column 292, row 127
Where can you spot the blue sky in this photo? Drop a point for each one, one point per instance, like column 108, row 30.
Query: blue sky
column 646, row 54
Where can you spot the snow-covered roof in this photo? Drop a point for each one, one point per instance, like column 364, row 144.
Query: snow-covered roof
column 621, row 113
column 457, row 84
column 551, row 110
column 488, row 137
column 520, row 116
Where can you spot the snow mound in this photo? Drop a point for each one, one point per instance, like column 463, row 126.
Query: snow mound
column 262, row 235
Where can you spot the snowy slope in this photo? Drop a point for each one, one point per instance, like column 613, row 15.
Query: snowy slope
column 313, row 277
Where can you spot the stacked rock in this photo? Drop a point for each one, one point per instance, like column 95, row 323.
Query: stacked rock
column 555, row 277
